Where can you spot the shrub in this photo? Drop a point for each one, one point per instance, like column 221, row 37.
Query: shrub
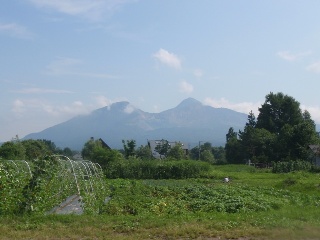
column 290, row 166
column 157, row 169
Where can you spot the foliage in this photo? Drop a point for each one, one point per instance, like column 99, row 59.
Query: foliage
column 50, row 182
column 13, row 150
column 194, row 153
column 156, row 169
column 233, row 147
column 176, row 152
column 207, row 156
column 208, row 153
column 219, row 154
column 95, row 152
column 12, row 183
column 144, row 152
column 35, row 149
column 163, row 148
column 65, row 151
column 277, row 111
column 31, row 149
column 166, row 197
column 129, row 148
column 285, row 167
column 282, row 131
column 256, row 204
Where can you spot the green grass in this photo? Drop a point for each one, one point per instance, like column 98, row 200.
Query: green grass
column 257, row 204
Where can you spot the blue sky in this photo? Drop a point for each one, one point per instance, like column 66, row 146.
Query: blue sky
column 62, row 58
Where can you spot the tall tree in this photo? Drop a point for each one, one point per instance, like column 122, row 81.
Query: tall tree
column 282, row 131
column 176, row 152
column 129, row 148
column 13, row 150
column 36, row 149
column 278, row 110
column 233, row 147
column 144, row 152
column 94, row 151
column 219, row 154
column 194, row 153
column 231, row 134
column 163, row 148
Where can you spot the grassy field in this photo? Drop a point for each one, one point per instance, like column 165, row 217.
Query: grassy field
column 256, row 204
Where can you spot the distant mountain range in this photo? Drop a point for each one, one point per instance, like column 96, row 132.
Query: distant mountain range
column 190, row 121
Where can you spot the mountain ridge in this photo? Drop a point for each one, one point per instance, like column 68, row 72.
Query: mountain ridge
column 190, row 121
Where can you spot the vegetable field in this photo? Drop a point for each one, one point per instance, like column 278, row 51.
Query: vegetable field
column 255, row 204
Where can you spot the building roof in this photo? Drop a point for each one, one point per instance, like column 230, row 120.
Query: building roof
column 104, row 144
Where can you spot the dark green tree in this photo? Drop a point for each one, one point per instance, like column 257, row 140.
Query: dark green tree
column 94, row 151
column 247, row 137
column 144, row 152
column 13, row 150
column 233, row 147
column 205, row 153
column 163, row 148
column 51, row 145
column 194, row 153
column 207, row 156
column 282, row 131
column 36, row 149
column 219, row 154
column 176, row 152
column 277, row 111
column 231, row 134
column 87, row 151
column 129, row 148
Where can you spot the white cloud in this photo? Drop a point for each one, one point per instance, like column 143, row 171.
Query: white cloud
column 102, row 101
column 90, row 9
column 129, row 109
column 39, row 106
column 74, row 109
column 155, row 108
column 41, row 91
column 15, row 30
column 185, row 87
column 63, row 66
column 244, row 107
column 198, row 73
column 71, row 66
column 288, row 56
column 315, row 67
column 168, row 58
column 18, row 106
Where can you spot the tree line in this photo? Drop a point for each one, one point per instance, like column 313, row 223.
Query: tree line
column 281, row 132
column 31, row 149
column 95, row 151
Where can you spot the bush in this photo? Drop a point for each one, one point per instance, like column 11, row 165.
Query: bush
column 315, row 169
column 156, row 169
column 290, row 166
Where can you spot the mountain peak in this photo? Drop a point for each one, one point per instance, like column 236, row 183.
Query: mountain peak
column 119, row 105
column 189, row 102
column 188, row 122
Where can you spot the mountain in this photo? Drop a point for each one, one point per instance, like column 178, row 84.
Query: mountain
column 190, row 121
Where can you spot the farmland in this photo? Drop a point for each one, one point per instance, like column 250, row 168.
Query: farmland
column 256, row 204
